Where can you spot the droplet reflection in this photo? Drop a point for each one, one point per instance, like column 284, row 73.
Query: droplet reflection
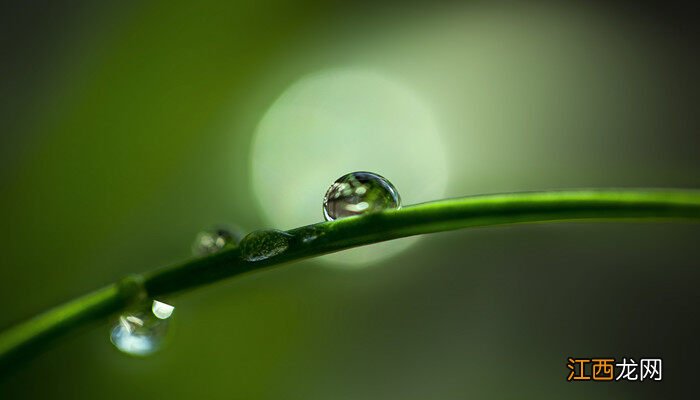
column 359, row 193
column 142, row 332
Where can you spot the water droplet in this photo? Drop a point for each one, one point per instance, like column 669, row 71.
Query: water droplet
column 142, row 331
column 310, row 233
column 162, row 310
column 212, row 241
column 359, row 193
column 261, row 245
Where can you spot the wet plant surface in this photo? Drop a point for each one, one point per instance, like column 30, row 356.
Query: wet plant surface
column 142, row 327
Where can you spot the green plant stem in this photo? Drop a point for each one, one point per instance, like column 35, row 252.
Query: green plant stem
column 19, row 342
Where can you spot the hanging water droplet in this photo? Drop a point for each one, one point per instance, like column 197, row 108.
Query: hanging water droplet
column 142, row 331
column 359, row 193
column 212, row 241
column 162, row 310
column 261, row 245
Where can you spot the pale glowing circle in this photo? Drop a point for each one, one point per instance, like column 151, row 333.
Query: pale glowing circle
column 334, row 122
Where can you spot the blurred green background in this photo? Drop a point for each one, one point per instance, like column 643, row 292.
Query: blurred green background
column 130, row 126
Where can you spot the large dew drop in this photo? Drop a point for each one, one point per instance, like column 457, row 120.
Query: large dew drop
column 142, row 332
column 214, row 240
column 359, row 193
column 261, row 245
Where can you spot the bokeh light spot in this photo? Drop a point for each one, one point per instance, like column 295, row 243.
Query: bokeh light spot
column 338, row 121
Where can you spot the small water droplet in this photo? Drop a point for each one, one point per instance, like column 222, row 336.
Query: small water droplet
column 212, row 241
column 261, row 245
column 309, row 238
column 162, row 310
column 359, row 193
column 142, row 331
column 309, row 234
